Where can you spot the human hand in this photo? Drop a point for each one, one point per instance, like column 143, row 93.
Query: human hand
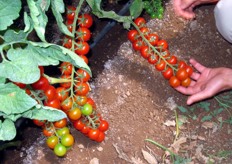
column 207, row 82
column 184, row 8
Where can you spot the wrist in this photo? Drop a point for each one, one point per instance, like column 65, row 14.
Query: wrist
column 227, row 78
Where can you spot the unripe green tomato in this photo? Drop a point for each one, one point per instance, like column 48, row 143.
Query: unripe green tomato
column 60, row 150
column 63, row 131
column 67, row 140
column 87, row 109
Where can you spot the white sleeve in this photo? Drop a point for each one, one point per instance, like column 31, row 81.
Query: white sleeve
column 223, row 18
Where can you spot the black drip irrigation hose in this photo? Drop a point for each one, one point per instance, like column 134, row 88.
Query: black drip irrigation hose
column 111, row 24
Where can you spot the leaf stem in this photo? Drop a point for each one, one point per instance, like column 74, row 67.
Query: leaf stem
column 53, row 80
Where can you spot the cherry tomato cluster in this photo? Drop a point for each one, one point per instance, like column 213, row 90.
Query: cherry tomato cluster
column 70, row 94
column 79, row 44
column 156, row 51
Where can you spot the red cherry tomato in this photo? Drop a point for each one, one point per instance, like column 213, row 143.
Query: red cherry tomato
column 133, row 35
column 101, row 137
column 50, row 93
column 82, row 48
column 66, row 68
column 186, row 82
column 168, row 73
column 140, row 22
column 144, row 51
column 104, row 126
column 82, row 75
column 153, row 39
column 181, row 74
column 83, row 34
column 70, row 13
column 93, row 134
column 153, row 59
column 162, row 45
column 85, row 20
column 174, row 82
column 41, row 84
column 81, row 88
column 160, row 66
column 78, row 125
column 62, row 93
column 55, row 103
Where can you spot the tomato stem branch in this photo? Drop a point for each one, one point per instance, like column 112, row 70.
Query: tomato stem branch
column 151, row 46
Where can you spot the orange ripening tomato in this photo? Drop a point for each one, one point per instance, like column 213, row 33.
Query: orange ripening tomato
column 174, row 82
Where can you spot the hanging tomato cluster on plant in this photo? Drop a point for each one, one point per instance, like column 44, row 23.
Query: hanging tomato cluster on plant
column 71, row 93
column 155, row 50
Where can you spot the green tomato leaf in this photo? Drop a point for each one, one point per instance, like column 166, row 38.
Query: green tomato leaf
column 28, row 23
column 57, row 9
column 40, row 112
column 22, row 68
column 13, row 36
column 7, row 130
column 60, row 53
column 2, row 80
column 207, row 118
column 204, row 105
column 96, row 10
column 14, row 100
column 39, row 18
column 136, row 8
column 9, row 11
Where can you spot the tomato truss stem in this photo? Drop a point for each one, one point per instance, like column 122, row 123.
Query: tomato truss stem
column 151, row 46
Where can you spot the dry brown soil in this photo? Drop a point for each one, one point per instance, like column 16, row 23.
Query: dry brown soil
column 139, row 104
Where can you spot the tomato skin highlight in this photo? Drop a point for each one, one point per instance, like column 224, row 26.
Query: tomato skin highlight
column 101, row 137
column 83, row 34
column 132, row 35
column 174, row 82
column 181, row 74
column 70, row 13
column 41, row 84
column 168, row 73
column 160, row 66
column 66, row 68
column 78, row 125
column 144, row 51
column 87, row 109
column 60, row 150
column 104, row 126
column 153, row 39
column 153, row 59
column 67, row 140
column 74, row 114
column 186, row 82
column 85, row 20
column 140, row 22
column 61, row 123
column 50, row 93
column 162, row 45
column 81, row 88
column 82, row 48
column 55, row 103
column 93, row 134
column 82, row 75
column 52, row 141
column 61, row 93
